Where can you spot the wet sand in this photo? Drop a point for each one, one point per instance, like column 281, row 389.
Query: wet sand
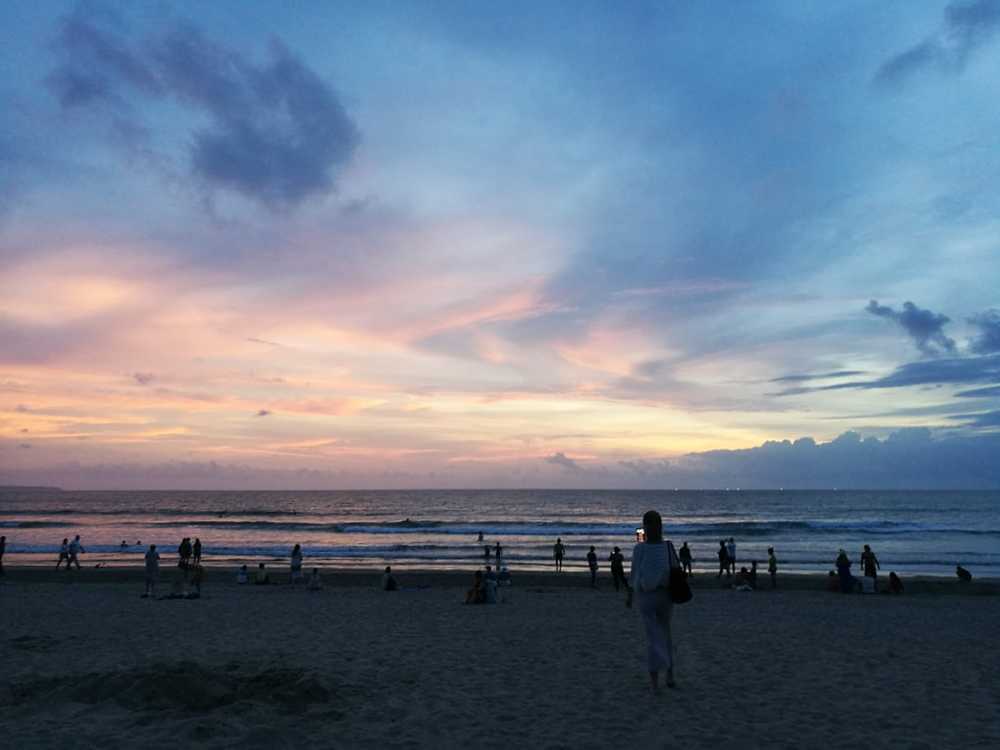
column 86, row 662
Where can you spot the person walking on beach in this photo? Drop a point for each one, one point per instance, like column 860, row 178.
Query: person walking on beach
column 731, row 553
column 617, row 560
column 152, row 571
column 592, row 564
column 649, row 579
column 685, row 556
column 75, row 549
column 197, row 551
column 870, row 566
column 772, row 567
column 499, row 553
column 723, row 559
column 296, row 565
column 63, row 554
column 558, row 552
column 487, row 554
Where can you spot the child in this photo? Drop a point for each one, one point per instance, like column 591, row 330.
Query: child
column 772, row 566
column 262, row 578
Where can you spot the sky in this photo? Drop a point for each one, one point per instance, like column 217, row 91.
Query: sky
column 436, row 244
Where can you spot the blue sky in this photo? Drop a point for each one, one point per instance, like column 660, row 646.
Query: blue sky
column 417, row 244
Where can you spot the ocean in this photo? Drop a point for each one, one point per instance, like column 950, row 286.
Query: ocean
column 913, row 532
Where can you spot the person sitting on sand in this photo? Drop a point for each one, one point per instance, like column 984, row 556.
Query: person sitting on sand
column 772, row 567
column 262, row 578
column 241, row 576
column 75, row 549
column 684, row 553
column 963, row 575
column 389, row 582
column 847, row 583
column 742, row 580
column 152, row 571
column 558, row 552
column 895, row 584
column 476, row 595
column 296, row 565
column 315, row 583
column 63, row 554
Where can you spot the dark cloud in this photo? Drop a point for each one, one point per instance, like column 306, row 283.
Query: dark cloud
column 143, row 378
column 277, row 134
column 988, row 341
column 561, row 459
column 818, row 376
column 988, row 392
column 645, row 467
column 954, row 370
column 924, row 327
column 906, row 459
column 967, row 25
column 263, row 413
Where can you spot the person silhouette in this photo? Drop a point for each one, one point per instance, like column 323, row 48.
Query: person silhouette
column 592, row 564
column 558, row 552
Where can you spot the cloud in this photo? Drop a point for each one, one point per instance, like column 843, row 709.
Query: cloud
column 263, row 413
column 988, row 392
column 143, row 378
column 924, row 327
column 561, row 459
column 276, row 133
column 646, row 468
column 982, row 420
column 953, row 370
column 988, row 341
column 818, row 376
column 967, row 26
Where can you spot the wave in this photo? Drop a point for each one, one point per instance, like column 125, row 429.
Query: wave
column 496, row 528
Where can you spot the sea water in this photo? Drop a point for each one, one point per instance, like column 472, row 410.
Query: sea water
column 916, row 532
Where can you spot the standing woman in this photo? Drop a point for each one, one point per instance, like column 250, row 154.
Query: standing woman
column 650, row 579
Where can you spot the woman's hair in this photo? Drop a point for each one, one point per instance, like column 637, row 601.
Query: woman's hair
column 652, row 524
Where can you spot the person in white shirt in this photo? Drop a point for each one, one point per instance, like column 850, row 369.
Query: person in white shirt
column 75, row 548
column 650, row 580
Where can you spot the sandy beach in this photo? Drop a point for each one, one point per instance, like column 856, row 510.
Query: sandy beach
column 87, row 663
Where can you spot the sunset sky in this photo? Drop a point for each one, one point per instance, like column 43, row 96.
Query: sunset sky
column 506, row 244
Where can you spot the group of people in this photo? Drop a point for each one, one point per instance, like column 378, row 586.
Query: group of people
column 488, row 586
column 69, row 552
